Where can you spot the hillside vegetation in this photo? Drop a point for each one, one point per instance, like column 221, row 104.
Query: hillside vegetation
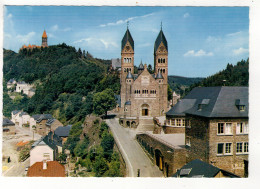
column 65, row 79
column 233, row 75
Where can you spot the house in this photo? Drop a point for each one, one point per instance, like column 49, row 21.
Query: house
column 175, row 98
column 63, row 132
column 38, row 123
column 52, row 124
column 44, row 149
column 116, row 63
column 25, row 88
column 199, row 169
column 11, row 83
column 217, row 127
column 143, row 95
column 46, row 169
column 8, row 127
column 20, row 118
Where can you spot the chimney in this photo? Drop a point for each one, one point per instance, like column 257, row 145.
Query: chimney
column 44, row 165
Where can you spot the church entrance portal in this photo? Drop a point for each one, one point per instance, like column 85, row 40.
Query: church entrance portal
column 145, row 110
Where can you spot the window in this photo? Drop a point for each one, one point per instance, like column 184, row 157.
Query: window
column 178, row 122
column 168, row 121
column 239, row 147
column 173, row 122
column 246, row 147
column 220, row 128
column 242, row 128
column 242, row 108
column 228, row 148
column 242, row 148
column 224, row 148
column 225, row 129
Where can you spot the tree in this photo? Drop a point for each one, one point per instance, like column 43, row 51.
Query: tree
column 100, row 166
column 104, row 101
column 107, row 143
column 169, row 92
column 150, row 69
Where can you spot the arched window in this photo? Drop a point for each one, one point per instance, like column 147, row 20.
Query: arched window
column 164, row 60
column 130, row 60
column 159, row 61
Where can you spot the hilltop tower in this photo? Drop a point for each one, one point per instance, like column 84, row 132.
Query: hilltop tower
column 44, row 39
column 127, row 62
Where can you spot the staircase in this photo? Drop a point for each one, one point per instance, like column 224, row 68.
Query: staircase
column 145, row 124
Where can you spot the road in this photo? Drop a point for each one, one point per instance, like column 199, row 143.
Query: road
column 17, row 170
column 9, row 148
column 132, row 152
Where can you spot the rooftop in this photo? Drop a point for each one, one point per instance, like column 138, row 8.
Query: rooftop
column 54, row 169
column 198, row 168
column 213, row 102
column 63, row 131
column 7, row 122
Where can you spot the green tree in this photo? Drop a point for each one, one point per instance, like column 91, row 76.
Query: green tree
column 81, row 148
column 104, row 101
column 169, row 92
column 107, row 143
column 100, row 166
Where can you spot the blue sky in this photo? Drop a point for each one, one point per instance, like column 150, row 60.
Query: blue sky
column 201, row 40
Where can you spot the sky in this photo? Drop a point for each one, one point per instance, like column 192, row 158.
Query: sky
column 201, row 40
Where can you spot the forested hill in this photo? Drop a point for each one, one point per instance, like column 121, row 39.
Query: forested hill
column 65, row 78
column 233, row 75
column 179, row 83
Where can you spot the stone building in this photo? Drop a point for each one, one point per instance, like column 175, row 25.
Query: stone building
column 8, row 127
column 44, row 43
column 217, row 127
column 25, row 88
column 143, row 95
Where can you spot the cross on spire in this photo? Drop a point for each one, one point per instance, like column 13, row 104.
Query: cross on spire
column 161, row 25
column 127, row 24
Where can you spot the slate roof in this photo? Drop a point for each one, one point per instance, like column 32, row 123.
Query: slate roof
column 118, row 100
column 127, row 37
column 63, row 131
column 54, row 169
column 47, row 140
column 213, row 102
column 198, row 168
column 160, row 38
column 16, row 111
column 159, row 75
column 129, row 76
column 23, row 113
column 40, row 117
column 7, row 122
column 50, row 121
column 141, row 66
column 11, row 81
column 181, row 107
column 21, row 82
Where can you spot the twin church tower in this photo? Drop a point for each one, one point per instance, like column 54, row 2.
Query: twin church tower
column 143, row 95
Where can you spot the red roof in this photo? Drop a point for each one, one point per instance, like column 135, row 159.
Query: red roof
column 54, row 169
column 44, row 35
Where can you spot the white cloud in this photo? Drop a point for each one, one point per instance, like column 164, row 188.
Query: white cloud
column 124, row 21
column 186, row 15
column 95, row 42
column 198, row 53
column 213, row 39
column 240, row 50
column 9, row 16
column 234, row 34
column 67, row 29
column 25, row 38
column 54, row 28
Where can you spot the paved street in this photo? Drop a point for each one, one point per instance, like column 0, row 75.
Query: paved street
column 133, row 154
column 9, row 148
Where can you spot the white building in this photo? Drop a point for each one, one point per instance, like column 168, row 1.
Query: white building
column 25, row 87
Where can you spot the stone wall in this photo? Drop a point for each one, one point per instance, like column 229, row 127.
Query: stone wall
column 173, row 158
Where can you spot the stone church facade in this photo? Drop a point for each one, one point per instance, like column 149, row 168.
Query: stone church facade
column 143, row 95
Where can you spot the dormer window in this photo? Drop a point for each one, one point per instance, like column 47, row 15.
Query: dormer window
column 203, row 103
column 240, row 105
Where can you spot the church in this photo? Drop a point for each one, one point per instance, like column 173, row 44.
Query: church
column 143, row 95
column 44, row 43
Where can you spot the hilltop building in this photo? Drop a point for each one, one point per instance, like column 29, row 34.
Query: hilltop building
column 44, row 43
column 143, row 95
